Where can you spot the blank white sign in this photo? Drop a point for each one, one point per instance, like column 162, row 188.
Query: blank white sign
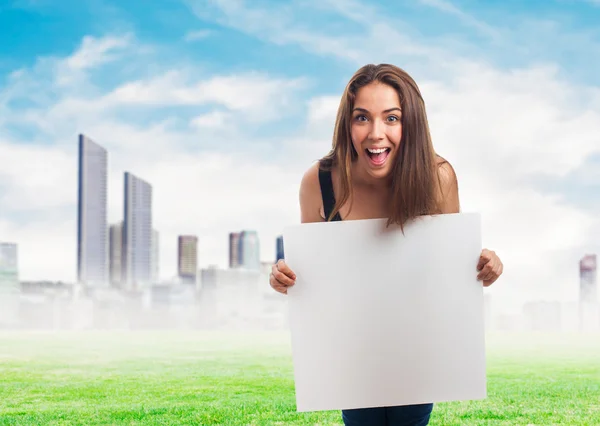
column 378, row 318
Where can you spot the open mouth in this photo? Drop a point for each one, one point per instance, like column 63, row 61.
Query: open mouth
column 378, row 155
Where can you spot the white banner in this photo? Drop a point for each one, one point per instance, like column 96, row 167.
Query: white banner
column 378, row 318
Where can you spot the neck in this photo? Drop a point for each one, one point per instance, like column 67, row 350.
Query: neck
column 361, row 177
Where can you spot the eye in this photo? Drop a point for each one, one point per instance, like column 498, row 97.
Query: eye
column 360, row 117
column 393, row 118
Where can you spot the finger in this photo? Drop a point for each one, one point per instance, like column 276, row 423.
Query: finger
column 496, row 273
column 281, row 266
column 488, row 282
column 280, row 289
column 490, row 276
column 283, row 279
column 276, row 285
column 485, row 271
column 275, row 271
column 483, row 259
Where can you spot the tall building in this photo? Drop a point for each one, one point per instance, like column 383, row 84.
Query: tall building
column 10, row 287
column 187, row 258
column 234, row 250
column 155, row 256
column 9, row 269
column 588, row 285
column 279, row 249
column 115, row 253
column 137, row 233
column 249, row 250
column 92, row 265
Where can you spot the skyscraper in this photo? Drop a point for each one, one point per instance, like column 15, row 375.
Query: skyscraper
column 187, row 258
column 249, row 250
column 137, row 232
column 92, row 250
column 155, row 256
column 279, row 249
column 9, row 285
column 9, row 270
column 115, row 253
column 234, row 250
column 588, row 285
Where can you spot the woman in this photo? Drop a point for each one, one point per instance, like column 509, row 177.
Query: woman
column 382, row 165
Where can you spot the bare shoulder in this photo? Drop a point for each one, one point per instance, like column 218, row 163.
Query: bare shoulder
column 446, row 172
column 448, row 186
column 310, row 195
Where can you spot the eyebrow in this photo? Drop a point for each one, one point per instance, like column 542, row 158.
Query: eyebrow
column 387, row 110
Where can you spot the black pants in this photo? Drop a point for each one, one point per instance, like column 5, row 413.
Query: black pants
column 405, row 415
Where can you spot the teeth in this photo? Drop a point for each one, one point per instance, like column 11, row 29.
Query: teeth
column 376, row 151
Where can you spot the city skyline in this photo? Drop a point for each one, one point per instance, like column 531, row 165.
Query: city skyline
column 126, row 253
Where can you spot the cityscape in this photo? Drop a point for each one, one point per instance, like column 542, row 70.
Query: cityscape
column 118, row 269
column 118, row 283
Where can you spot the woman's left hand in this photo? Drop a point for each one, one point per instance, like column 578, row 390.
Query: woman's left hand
column 490, row 267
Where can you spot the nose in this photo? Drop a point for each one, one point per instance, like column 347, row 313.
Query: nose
column 376, row 132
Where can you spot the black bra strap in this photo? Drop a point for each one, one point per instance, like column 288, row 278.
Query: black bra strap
column 327, row 194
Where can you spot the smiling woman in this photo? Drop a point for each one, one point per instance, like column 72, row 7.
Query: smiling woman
column 381, row 165
column 383, row 114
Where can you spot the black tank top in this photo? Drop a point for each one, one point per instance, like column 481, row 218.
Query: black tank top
column 328, row 195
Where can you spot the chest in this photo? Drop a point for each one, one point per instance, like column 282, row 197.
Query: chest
column 366, row 203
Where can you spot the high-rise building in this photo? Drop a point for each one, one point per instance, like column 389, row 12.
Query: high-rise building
column 155, row 256
column 234, row 250
column 137, row 233
column 279, row 249
column 588, row 286
column 115, row 253
column 9, row 269
column 187, row 258
column 249, row 249
column 92, row 250
column 10, row 287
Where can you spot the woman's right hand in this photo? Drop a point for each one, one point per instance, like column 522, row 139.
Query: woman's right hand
column 281, row 277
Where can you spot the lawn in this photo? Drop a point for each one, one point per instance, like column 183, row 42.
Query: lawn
column 218, row 378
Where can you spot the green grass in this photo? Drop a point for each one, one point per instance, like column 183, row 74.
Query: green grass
column 203, row 378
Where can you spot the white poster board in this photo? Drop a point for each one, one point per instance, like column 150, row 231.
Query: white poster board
column 378, row 318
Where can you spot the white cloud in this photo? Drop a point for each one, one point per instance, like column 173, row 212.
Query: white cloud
column 260, row 96
column 469, row 20
column 279, row 25
column 91, row 53
column 30, row 174
column 97, row 51
column 322, row 111
column 214, row 119
column 522, row 118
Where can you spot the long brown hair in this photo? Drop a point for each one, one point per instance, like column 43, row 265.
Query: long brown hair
column 415, row 181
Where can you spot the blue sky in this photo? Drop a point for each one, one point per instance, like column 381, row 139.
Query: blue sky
column 504, row 32
column 222, row 105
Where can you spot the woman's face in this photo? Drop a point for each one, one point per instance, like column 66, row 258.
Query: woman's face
column 376, row 128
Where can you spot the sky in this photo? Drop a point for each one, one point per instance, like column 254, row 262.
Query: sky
column 223, row 105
